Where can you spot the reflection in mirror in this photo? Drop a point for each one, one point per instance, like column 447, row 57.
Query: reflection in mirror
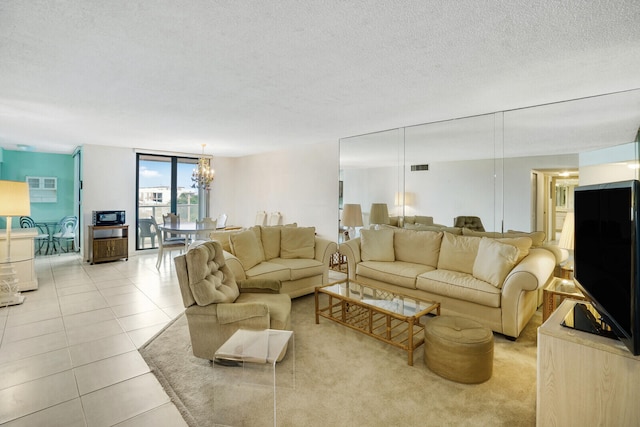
column 461, row 175
column 370, row 170
column 502, row 167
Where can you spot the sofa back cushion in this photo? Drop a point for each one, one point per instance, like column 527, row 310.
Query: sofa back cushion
column 494, row 261
column 210, row 279
column 522, row 243
column 458, row 253
column 298, row 242
column 377, row 245
column 420, row 247
column 271, row 241
column 537, row 237
column 421, row 227
column 247, row 247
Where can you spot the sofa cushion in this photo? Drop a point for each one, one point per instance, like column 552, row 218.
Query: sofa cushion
column 522, row 243
column 421, row 247
column 458, row 253
column 269, row 270
column 271, row 241
column 537, row 237
column 494, row 261
column 462, row 286
column 377, row 245
column 247, row 247
column 210, row 279
column 300, row 268
column 297, row 242
column 397, row 273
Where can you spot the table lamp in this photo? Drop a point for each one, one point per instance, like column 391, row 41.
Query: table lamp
column 379, row 214
column 566, row 241
column 14, row 201
column 351, row 218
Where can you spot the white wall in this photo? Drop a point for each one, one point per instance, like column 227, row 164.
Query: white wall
column 302, row 183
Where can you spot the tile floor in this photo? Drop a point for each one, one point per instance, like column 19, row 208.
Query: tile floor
column 68, row 355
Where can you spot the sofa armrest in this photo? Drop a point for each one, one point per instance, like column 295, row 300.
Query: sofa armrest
column 256, row 286
column 237, row 312
column 236, row 267
column 351, row 250
column 324, row 249
column 532, row 273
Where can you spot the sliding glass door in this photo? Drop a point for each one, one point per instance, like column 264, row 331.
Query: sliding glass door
column 164, row 185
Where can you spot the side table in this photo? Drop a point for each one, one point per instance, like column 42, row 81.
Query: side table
column 557, row 291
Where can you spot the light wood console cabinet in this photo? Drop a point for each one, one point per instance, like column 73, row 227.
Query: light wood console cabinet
column 584, row 379
column 108, row 243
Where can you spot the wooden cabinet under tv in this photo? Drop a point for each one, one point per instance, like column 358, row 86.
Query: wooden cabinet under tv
column 584, row 379
column 108, row 243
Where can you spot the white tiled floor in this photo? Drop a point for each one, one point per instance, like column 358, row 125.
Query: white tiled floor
column 68, row 354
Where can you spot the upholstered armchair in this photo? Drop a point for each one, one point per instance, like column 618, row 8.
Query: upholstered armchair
column 470, row 222
column 216, row 305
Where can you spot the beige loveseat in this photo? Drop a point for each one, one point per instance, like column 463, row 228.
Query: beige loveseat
column 293, row 255
column 493, row 281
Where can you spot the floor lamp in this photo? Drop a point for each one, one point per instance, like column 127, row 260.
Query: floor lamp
column 14, row 201
column 567, row 236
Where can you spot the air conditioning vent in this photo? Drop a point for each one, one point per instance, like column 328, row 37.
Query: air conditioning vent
column 419, row 168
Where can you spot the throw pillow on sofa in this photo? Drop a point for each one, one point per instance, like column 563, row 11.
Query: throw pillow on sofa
column 522, row 243
column 421, row 247
column 494, row 261
column 247, row 247
column 377, row 245
column 298, row 242
column 271, row 241
column 458, row 253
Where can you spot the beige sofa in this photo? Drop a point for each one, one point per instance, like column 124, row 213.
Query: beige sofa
column 293, row 255
column 492, row 280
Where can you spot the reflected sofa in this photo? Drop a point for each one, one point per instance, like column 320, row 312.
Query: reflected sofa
column 293, row 255
column 492, row 280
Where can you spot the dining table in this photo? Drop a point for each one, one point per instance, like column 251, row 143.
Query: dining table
column 48, row 227
column 187, row 229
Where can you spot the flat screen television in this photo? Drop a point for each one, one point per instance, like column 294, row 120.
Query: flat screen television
column 607, row 255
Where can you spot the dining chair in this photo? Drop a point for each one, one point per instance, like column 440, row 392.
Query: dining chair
column 275, row 218
column 66, row 232
column 204, row 228
column 221, row 221
column 41, row 238
column 146, row 229
column 172, row 220
column 166, row 243
column 261, row 218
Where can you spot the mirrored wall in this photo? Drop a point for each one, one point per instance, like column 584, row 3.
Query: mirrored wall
column 515, row 170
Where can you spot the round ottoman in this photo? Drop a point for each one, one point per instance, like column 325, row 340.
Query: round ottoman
column 458, row 349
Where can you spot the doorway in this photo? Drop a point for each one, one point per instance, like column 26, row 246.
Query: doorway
column 554, row 190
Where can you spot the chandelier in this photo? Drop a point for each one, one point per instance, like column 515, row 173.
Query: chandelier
column 202, row 175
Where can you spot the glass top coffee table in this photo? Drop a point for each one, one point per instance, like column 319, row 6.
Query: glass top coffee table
column 388, row 316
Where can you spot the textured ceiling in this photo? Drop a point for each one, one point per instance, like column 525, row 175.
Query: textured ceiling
column 247, row 77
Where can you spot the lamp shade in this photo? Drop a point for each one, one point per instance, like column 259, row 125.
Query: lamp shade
column 567, row 234
column 379, row 214
column 14, row 198
column 352, row 215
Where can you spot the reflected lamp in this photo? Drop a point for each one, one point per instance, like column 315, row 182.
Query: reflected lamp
column 351, row 218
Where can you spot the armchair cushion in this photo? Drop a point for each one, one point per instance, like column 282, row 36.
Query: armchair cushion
column 232, row 313
column 260, row 285
column 247, row 247
column 210, row 279
column 298, row 242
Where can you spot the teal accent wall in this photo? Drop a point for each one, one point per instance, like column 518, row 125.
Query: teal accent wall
column 16, row 165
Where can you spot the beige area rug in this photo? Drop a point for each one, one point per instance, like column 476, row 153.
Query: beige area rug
column 344, row 378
